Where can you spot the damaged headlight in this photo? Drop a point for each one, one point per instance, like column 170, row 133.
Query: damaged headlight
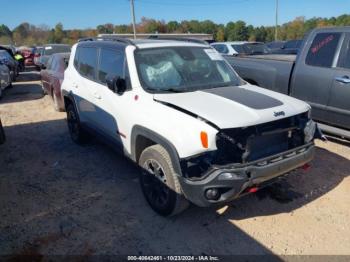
column 309, row 131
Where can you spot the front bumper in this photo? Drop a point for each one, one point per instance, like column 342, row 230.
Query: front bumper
column 244, row 176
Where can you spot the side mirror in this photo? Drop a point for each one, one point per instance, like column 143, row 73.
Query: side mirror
column 116, row 84
column 43, row 66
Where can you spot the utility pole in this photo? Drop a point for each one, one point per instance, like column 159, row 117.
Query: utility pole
column 133, row 17
column 276, row 26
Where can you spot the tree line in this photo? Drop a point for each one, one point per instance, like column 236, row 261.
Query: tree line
column 28, row 34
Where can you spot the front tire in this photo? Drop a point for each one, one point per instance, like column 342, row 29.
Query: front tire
column 159, row 182
column 76, row 131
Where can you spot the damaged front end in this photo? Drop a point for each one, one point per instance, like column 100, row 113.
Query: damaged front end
column 248, row 156
column 248, row 144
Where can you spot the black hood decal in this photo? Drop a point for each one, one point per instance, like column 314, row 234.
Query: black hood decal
column 245, row 97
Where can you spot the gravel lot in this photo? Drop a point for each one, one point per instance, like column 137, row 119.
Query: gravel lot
column 60, row 198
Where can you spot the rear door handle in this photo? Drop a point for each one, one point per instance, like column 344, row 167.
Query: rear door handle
column 343, row 79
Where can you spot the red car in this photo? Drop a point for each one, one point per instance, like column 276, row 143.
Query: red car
column 52, row 78
column 28, row 54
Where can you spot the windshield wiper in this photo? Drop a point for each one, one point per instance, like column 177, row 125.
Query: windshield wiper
column 173, row 90
column 170, row 90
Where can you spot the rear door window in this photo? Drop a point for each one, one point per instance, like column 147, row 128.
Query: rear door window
column 111, row 63
column 88, row 62
column 344, row 57
column 323, row 49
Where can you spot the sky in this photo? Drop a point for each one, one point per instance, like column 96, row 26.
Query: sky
column 83, row 14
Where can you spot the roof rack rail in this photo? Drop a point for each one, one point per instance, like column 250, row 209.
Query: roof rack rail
column 115, row 38
column 108, row 38
column 183, row 39
column 86, row 39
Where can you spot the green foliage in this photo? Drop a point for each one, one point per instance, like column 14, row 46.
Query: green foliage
column 5, row 40
column 5, row 31
column 237, row 31
column 28, row 34
column 105, row 29
column 173, row 26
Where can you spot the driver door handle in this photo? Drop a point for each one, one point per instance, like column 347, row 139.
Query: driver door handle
column 343, row 79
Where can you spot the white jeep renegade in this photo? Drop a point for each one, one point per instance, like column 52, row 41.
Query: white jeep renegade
column 200, row 133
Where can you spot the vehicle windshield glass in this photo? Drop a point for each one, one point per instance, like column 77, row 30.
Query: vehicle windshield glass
column 4, row 54
column 49, row 50
column 255, row 49
column 238, row 48
column 182, row 69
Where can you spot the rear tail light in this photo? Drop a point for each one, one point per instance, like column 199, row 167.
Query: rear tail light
column 253, row 190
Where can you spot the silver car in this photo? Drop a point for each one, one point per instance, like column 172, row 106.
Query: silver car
column 5, row 78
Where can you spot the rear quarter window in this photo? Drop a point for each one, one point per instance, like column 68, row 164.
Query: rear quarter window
column 323, row 49
column 88, row 62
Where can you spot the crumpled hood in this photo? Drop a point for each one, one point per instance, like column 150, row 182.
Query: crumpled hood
column 231, row 107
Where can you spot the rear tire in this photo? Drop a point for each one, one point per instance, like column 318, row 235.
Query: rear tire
column 2, row 134
column 159, row 182
column 76, row 131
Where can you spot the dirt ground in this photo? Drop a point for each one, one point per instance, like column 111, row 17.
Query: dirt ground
column 60, row 198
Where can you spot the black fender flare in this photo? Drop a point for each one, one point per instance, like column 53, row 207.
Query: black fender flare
column 158, row 139
column 68, row 95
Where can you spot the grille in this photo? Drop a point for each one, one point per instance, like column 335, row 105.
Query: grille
column 240, row 145
column 267, row 145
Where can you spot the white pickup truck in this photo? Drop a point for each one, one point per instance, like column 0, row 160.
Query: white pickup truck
column 199, row 132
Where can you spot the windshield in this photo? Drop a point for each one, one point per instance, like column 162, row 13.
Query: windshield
column 4, row 54
column 181, row 69
column 49, row 50
column 255, row 49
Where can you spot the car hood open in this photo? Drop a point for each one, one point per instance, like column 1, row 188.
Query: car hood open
column 238, row 106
